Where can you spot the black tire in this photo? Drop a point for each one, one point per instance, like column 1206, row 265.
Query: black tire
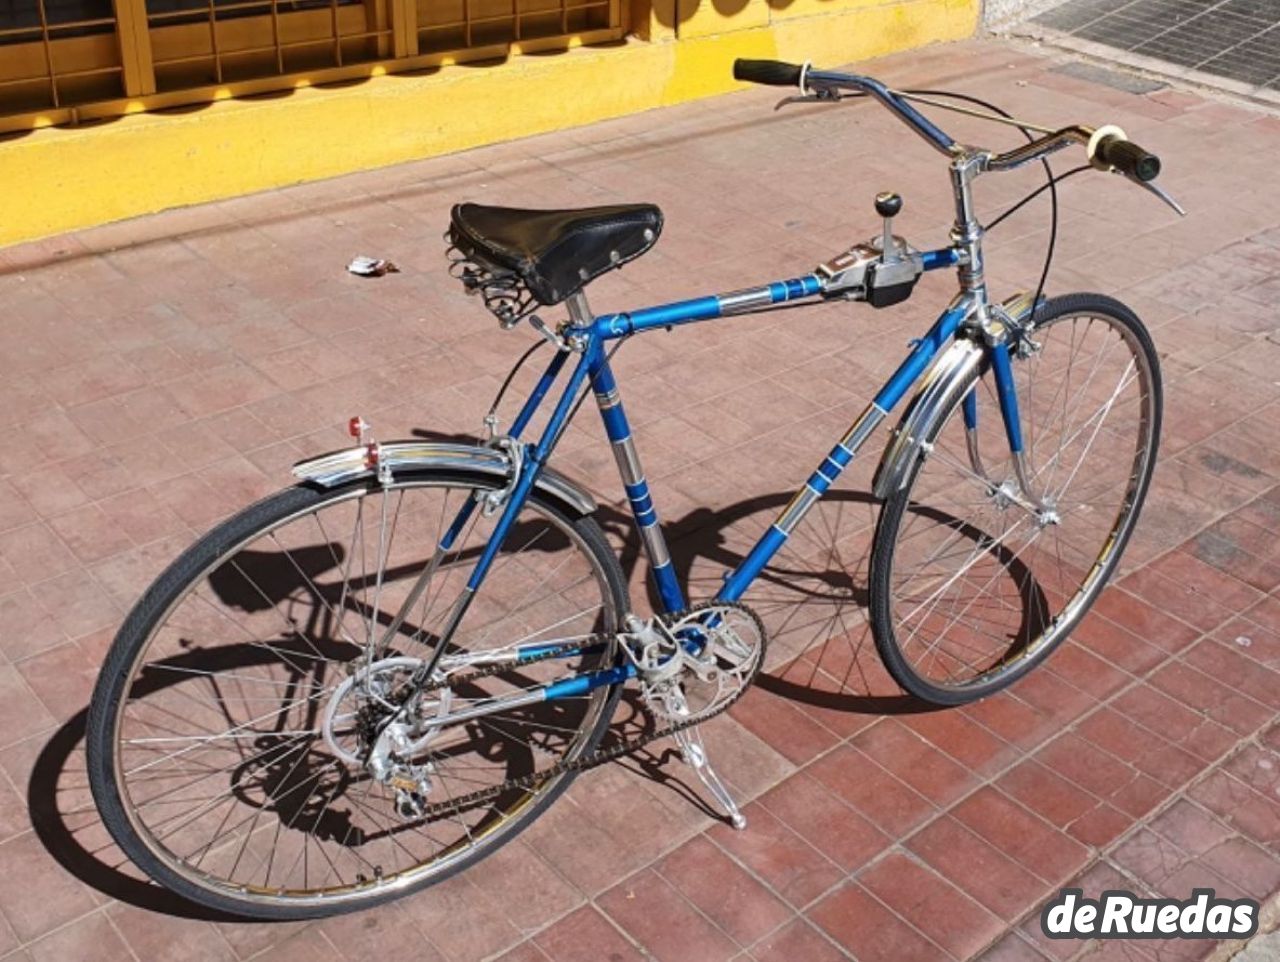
column 1041, row 638
column 167, row 590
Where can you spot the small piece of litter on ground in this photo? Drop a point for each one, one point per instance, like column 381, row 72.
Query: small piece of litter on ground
column 371, row 267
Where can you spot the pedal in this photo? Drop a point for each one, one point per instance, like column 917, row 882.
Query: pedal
column 694, row 752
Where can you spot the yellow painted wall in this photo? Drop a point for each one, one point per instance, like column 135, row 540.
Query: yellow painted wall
column 138, row 164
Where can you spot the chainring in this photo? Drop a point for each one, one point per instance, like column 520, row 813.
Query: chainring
column 600, row 756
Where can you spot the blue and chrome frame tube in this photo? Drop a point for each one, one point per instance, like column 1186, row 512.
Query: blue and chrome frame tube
column 819, row 482
column 612, row 326
column 636, row 485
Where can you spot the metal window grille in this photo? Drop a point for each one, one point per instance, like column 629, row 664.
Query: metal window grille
column 55, row 52
column 463, row 24
column 65, row 60
column 217, row 41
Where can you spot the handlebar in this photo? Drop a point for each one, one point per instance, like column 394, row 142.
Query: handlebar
column 771, row 73
column 1110, row 151
column 1128, row 158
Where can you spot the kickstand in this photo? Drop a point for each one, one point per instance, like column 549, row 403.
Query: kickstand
column 695, row 756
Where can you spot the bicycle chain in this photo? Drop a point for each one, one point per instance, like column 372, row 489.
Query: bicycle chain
column 600, row 756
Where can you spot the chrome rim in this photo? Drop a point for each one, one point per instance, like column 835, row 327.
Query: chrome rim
column 981, row 581
column 220, row 750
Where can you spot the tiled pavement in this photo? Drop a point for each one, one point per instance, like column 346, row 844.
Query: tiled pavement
column 158, row 374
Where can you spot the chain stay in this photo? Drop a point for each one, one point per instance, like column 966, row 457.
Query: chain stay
column 601, row 756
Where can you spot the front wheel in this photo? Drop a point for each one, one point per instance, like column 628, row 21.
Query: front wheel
column 971, row 584
column 258, row 741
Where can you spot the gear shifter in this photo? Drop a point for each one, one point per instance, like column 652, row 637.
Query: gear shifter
column 888, row 206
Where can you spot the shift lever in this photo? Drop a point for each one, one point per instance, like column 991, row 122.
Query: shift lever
column 888, row 206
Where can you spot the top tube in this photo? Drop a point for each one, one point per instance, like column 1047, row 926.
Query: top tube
column 908, row 114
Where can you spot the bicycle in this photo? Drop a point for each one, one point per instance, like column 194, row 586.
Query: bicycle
column 275, row 734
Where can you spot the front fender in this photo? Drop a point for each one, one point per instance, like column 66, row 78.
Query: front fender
column 403, row 457
column 941, row 387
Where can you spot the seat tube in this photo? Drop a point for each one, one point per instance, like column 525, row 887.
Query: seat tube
column 634, row 482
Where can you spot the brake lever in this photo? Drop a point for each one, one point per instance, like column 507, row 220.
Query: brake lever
column 818, row 96
column 1160, row 192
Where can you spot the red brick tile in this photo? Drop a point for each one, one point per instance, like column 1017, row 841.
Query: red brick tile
column 723, row 890
column 1011, row 948
column 1013, row 720
column 1158, row 713
column 21, row 715
column 872, row 932
column 1149, row 857
column 1080, row 761
column 658, row 918
column 934, row 906
column 1186, row 601
column 28, row 627
column 524, row 952
column 791, row 866
column 1225, row 555
column 1139, row 796
column 586, row 936
column 62, row 678
column 78, row 605
column 879, row 796
column 1097, row 678
column 1061, row 701
column 1054, row 799
column 786, row 729
column 977, row 867
column 524, row 886
column 1252, row 869
column 1231, row 667
column 43, row 494
column 1168, row 764
column 1099, row 827
column 1147, row 622
column 1117, row 645
column 307, row 945
column 36, row 553
column 1020, row 835
column 38, row 894
column 913, row 760
column 153, row 935
column 1200, row 692
column 831, row 826
column 1190, row 827
column 799, row 940
column 963, row 739
column 90, row 533
column 438, row 910
column 1246, row 810
column 90, row 937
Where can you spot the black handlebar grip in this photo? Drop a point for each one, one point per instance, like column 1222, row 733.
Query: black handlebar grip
column 1128, row 158
column 774, row 73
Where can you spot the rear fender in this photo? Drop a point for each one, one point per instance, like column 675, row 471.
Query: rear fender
column 400, row 458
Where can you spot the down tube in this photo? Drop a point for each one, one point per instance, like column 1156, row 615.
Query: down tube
column 834, row 464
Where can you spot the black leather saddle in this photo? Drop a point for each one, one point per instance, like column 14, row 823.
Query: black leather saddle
column 555, row 252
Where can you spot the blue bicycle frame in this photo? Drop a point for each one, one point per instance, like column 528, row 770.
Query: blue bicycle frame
column 587, row 336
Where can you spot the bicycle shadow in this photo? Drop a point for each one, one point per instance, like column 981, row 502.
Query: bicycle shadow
column 815, row 601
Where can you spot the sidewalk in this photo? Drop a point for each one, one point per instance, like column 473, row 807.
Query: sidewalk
column 159, row 374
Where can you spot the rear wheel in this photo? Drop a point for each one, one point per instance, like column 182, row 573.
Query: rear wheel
column 970, row 589
column 231, row 729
